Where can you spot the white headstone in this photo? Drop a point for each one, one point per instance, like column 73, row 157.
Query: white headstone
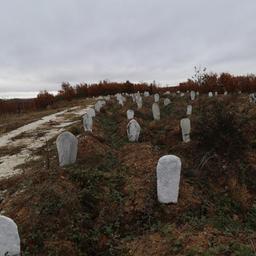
column 156, row 97
column 168, row 179
column 9, row 237
column 216, row 94
column 197, row 93
column 87, row 122
column 133, row 130
column 156, row 111
column 99, row 104
column 182, row 94
column 185, row 129
column 167, row 101
column 192, row 95
column 146, row 94
column 91, row 112
column 225, row 93
column 130, row 114
column 189, row 110
column 167, row 93
column 139, row 102
column 67, row 145
column 210, row 94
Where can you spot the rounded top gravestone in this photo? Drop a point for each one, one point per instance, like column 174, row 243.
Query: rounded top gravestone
column 189, row 110
column 185, row 129
column 167, row 101
column 156, row 111
column 139, row 102
column 156, row 97
column 146, row 94
column 210, row 94
column 192, row 95
column 9, row 237
column 133, row 130
column 168, row 179
column 67, row 145
column 130, row 114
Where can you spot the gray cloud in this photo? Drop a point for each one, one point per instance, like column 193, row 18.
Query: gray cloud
column 43, row 43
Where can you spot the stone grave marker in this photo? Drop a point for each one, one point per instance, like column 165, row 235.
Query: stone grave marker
column 156, row 111
column 67, row 146
column 9, row 237
column 133, row 130
column 168, row 179
column 185, row 129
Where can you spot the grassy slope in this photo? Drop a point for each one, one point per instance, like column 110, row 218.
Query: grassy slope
column 106, row 203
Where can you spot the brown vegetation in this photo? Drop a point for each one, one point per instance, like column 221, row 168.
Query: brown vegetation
column 204, row 84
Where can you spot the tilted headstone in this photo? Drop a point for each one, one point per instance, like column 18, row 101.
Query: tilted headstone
column 192, row 95
column 189, row 110
column 225, row 93
column 156, row 111
column 91, row 112
column 185, row 129
column 182, row 94
column 133, row 130
column 210, row 94
column 67, row 145
column 168, row 179
column 167, row 101
column 156, row 97
column 167, row 93
column 9, row 237
column 87, row 122
column 130, row 114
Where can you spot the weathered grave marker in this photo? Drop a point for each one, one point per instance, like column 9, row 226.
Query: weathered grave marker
column 9, row 237
column 168, row 179
column 67, row 145
column 133, row 130
column 156, row 97
column 87, row 122
column 185, row 129
column 130, row 114
column 156, row 111
column 167, row 101
column 189, row 110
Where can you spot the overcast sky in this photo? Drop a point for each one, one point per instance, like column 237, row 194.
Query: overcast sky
column 43, row 43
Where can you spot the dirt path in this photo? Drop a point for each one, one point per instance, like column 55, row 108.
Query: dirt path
column 20, row 144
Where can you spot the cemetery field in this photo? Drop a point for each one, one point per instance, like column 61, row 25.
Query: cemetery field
column 106, row 202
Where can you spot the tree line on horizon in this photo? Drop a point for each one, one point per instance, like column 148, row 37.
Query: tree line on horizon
column 201, row 82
